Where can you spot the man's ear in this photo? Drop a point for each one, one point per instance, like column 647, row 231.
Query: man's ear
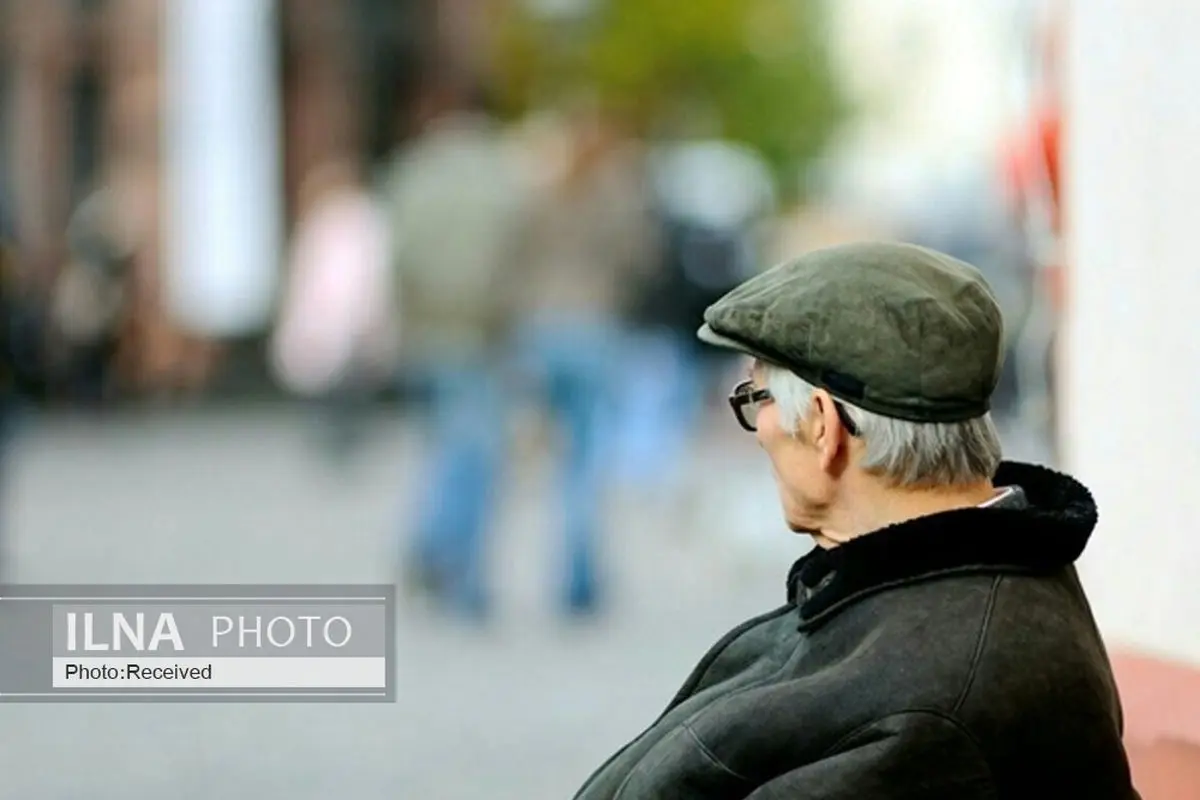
column 830, row 441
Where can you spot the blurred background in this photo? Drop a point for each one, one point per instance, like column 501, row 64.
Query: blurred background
column 406, row 290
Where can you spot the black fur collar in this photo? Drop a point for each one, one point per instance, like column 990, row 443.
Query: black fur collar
column 1047, row 535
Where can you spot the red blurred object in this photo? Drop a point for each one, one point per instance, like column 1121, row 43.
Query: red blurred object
column 1033, row 163
column 1162, row 725
column 1032, row 166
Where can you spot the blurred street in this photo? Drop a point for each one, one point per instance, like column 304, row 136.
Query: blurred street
column 523, row 710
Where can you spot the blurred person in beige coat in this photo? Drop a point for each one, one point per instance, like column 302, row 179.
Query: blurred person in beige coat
column 456, row 204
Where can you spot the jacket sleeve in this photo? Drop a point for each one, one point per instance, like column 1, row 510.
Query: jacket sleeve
column 908, row 756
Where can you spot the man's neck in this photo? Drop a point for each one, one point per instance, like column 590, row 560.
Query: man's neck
column 877, row 507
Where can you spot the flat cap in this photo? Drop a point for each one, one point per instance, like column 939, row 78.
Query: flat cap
column 896, row 329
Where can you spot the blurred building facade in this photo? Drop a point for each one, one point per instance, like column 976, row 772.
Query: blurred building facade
column 85, row 91
column 127, row 103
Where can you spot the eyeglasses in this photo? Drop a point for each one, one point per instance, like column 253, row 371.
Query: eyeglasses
column 747, row 400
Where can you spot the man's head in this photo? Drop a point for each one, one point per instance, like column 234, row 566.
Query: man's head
column 873, row 369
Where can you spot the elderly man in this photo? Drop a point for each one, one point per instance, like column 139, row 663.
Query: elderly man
column 936, row 643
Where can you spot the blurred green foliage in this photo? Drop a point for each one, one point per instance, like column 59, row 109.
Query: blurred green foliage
column 755, row 71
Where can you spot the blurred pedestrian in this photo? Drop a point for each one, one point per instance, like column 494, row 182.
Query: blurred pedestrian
column 9, row 374
column 89, row 306
column 712, row 197
column 591, row 240
column 1032, row 162
column 455, row 203
column 335, row 338
column 22, row 358
column 936, row 642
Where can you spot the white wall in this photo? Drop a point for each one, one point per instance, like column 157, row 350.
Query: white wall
column 1131, row 404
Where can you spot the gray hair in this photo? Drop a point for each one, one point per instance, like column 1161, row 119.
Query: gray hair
column 908, row 454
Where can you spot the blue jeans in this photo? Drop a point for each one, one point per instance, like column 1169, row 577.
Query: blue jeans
column 663, row 396
column 465, row 426
column 573, row 364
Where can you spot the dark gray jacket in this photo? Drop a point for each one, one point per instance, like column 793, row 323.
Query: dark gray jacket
column 953, row 656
